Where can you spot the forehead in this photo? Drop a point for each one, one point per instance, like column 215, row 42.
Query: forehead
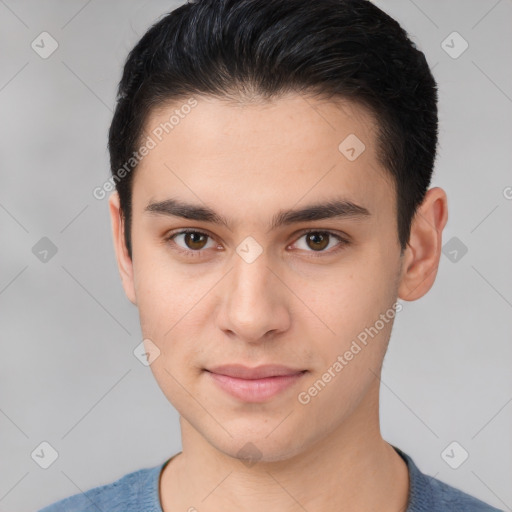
column 263, row 152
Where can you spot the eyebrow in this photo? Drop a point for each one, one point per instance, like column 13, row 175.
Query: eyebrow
column 335, row 208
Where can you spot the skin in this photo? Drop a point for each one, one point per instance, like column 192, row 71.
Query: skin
column 247, row 161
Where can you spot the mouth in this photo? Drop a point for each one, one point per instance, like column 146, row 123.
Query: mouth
column 254, row 384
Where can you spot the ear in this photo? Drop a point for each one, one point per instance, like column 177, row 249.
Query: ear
column 421, row 257
column 124, row 262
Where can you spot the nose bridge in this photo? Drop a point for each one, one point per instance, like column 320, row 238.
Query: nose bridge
column 252, row 306
column 250, row 280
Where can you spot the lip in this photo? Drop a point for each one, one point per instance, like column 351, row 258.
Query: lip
column 254, row 384
column 259, row 372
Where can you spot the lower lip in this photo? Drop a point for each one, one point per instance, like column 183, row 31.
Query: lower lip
column 255, row 390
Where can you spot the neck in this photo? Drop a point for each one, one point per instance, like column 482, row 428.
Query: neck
column 349, row 469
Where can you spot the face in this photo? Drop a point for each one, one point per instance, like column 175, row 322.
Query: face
column 259, row 289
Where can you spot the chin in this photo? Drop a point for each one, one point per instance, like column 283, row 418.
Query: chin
column 261, row 448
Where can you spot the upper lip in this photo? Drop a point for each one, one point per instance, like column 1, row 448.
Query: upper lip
column 258, row 372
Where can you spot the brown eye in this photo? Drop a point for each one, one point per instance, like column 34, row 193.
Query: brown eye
column 195, row 240
column 317, row 240
column 190, row 241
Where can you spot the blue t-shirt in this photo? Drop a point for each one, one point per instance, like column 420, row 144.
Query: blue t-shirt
column 139, row 492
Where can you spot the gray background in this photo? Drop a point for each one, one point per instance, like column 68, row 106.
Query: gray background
column 68, row 373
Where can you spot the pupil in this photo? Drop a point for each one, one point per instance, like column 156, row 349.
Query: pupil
column 193, row 241
column 313, row 236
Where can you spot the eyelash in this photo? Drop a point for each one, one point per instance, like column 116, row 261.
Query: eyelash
column 315, row 254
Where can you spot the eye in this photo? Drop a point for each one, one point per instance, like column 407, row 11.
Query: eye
column 193, row 241
column 316, row 241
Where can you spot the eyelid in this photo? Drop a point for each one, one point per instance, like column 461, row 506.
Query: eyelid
column 332, row 232
column 169, row 238
column 343, row 241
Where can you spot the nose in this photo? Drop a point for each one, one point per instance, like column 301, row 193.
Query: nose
column 255, row 301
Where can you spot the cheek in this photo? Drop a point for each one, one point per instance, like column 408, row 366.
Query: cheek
column 173, row 307
column 349, row 361
column 169, row 305
column 354, row 311
column 166, row 302
column 346, row 299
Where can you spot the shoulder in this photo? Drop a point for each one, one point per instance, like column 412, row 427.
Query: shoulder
column 452, row 499
column 133, row 492
column 428, row 494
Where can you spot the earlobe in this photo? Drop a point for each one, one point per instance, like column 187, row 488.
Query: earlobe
column 422, row 255
column 124, row 262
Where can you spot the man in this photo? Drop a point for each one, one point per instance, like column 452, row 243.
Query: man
column 272, row 163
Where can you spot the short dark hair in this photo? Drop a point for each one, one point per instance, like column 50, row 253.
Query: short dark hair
column 245, row 49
